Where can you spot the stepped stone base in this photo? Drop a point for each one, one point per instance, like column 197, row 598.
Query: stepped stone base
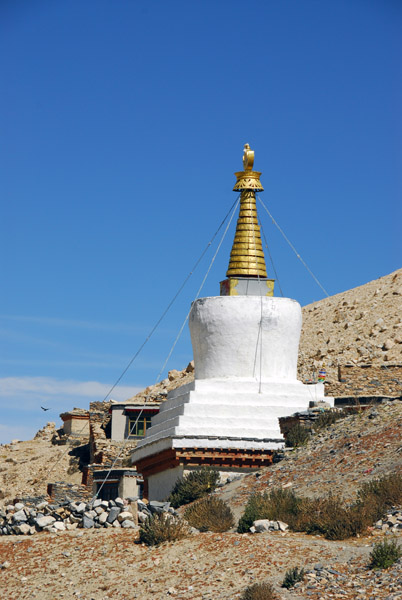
column 227, row 424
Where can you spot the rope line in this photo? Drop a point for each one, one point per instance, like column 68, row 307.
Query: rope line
column 155, row 326
column 294, row 249
column 174, row 344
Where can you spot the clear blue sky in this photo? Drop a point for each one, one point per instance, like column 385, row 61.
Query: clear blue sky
column 122, row 123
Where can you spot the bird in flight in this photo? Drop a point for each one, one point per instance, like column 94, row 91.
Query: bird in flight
column 45, row 408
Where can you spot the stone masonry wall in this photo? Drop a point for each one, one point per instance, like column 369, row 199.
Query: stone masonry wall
column 367, row 380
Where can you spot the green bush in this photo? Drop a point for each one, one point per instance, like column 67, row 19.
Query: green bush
column 193, row 486
column 385, row 554
column 292, row 577
column 297, row 436
column 259, row 591
column 162, row 527
column 210, row 514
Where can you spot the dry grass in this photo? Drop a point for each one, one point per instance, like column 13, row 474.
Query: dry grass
column 162, row 527
column 210, row 514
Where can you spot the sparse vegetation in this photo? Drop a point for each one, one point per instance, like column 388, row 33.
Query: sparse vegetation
column 259, row 591
column 292, row 577
column 193, row 486
column 210, row 514
column 297, row 436
column 162, row 527
column 276, row 504
column 385, row 554
column 328, row 516
column 378, row 495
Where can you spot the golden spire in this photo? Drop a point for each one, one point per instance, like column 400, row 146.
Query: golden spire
column 247, row 256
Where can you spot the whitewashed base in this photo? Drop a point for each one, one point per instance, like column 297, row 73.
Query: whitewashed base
column 226, row 414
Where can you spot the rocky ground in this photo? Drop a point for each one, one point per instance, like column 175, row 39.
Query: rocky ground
column 106, row 564
column 27, row 467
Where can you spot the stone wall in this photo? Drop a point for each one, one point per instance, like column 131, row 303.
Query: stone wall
column 61, row 491
column 366, row 380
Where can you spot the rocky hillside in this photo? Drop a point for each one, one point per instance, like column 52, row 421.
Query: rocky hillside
column 362, row 325
column 27, row 467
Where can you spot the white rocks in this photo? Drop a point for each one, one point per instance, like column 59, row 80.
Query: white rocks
column 24, row 529
column 103, row 518
column 124, row 515
column 69, row 517
column 20, row 515
column 42, row 522
column 263, row 525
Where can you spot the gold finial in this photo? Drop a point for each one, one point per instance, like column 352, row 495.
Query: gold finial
column 248, row 158
column 247, row 256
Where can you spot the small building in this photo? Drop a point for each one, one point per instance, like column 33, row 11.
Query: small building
column 131, row 421
column 76, row 423
column 118, row 483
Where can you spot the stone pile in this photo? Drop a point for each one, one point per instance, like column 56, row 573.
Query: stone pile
column 262, row 525
column 20, row 519
column 146, row 510
column 392, row 522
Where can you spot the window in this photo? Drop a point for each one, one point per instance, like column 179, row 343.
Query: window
column 138, row 428
column 109, row 491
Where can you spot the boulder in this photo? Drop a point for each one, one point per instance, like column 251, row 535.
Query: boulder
column 103, row 518
column 114, row 511
column 125, row 515
column 87, row 522
column 46, row 521
column 129, row 524
column 19, row 516
column 262, row 525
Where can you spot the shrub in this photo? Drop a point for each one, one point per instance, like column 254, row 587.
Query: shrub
column 297, row 436
column 328, row 516
column 259, row 591
column 278, row 504
column 380, row 494
column 385, row 554
column 162, row 527
column 292, row 577
column 193, row 486
column 329, row 417
column 210, row 514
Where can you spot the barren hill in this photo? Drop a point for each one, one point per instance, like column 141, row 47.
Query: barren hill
column 361, row 325
column 27, row 467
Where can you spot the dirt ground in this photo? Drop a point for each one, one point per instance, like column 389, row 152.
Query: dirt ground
column 109, row 564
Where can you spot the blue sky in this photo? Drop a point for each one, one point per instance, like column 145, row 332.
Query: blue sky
column 121, row 126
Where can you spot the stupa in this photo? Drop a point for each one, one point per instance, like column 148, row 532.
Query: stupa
column 245, row 345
